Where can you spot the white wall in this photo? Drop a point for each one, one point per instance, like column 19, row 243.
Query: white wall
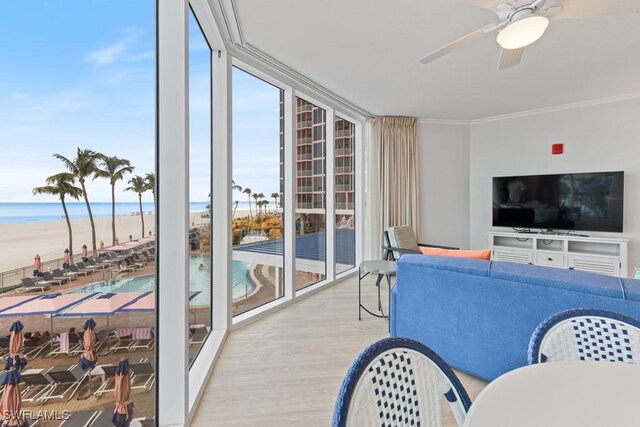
column 443, row 151
column 596, row 138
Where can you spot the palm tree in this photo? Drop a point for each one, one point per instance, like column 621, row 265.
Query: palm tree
column 275, row 197
column 150, row 182
column 248, row 192
column 265, row 203
column 114, row 169
column 61, row 185
column 236, row 187
column 138, row 185
column 256, row 197
column 83, row 166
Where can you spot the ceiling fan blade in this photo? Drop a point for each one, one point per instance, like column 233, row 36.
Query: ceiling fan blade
column 576, row 9
column 491, row 4
column 509, row 58
column 459, row 43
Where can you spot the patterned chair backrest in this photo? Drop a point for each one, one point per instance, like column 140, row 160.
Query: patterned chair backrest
column 586, row 334
column 402, row 237
column 398, row 381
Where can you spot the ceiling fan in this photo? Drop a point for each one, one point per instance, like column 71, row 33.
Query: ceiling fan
column 522, row 22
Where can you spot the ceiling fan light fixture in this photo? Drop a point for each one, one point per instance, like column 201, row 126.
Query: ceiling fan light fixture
column 523, row 32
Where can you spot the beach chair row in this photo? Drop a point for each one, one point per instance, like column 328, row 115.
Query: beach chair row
column 141, row 338
column 61, row 382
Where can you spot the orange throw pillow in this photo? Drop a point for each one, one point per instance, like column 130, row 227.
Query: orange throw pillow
column 455, row 253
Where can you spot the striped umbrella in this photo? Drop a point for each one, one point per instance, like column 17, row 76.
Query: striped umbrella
column 123, row 412
column 11, row 403
column 15, row 359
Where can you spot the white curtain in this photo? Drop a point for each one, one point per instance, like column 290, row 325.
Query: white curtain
column 392, row 178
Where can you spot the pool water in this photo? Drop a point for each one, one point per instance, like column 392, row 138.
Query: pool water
column 199, row 280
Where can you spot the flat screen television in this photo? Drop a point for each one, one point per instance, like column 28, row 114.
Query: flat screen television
column 571, row 201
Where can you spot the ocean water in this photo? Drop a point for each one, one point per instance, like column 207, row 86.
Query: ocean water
column 15, row 213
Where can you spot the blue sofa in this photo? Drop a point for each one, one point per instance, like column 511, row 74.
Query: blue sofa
column 479, row 315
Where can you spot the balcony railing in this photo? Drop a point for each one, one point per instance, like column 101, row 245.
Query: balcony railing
column 344, row 132
column 343, row 151
column 304, row 205
column 305, row 156
column 304, row 124
column 344, row 188
column 304, row 108
column 344, row 169
column 305, row 189
column 304, row 172
column 304, row 140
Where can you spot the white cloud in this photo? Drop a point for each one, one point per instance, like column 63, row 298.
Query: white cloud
column 120, row 51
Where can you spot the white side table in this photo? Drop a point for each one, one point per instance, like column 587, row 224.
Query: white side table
column 380, row 268
column 585, row 394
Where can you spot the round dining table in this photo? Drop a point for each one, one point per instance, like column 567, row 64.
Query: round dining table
column 563, row 394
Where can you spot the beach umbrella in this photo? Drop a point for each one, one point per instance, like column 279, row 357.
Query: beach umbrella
column 123, row 412
column 37, row 265
column 107, row 304
column 148, row 302
column 89, row 358
column 46, row 305
column 16, row 359
column 11, row 402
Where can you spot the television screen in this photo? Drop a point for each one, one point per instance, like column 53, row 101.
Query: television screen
column 572, row 201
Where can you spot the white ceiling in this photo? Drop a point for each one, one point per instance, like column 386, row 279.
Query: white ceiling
column 367, row 51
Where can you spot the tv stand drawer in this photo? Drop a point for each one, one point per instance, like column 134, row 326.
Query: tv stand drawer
column 550, row 260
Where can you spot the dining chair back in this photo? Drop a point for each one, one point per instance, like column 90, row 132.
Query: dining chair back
column 586, row 334
column 398, row 381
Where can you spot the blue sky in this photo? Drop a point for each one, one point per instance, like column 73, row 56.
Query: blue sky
column 78, row 73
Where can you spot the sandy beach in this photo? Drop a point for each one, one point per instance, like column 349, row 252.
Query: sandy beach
column 20, row 242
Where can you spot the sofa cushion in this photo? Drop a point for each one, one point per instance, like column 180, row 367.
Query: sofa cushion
column 456, row 253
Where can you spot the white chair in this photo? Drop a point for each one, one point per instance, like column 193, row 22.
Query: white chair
column 586, row 334
column 399, row 382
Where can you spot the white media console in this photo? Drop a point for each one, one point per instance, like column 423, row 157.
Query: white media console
column 595, row 254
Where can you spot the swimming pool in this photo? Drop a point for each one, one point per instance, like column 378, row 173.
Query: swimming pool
column 198, row 281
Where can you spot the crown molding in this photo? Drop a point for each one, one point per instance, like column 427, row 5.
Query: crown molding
column 562, row 107
column 445, row 122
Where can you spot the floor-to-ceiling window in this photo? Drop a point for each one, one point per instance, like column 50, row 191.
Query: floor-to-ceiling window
column 77, row 199
column 200, row 201
column 310, row 193
column 258, row 218
column 344, row 189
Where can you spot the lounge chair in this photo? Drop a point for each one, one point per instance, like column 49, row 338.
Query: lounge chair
column 28, row 284
column 66, row 381
column 80, row 419
column 123, row 343
column 83, row 266
column 199, row 336
column 70, row 349
column 148, row 255
column 69, row 274
column 131, row 263
column 92, row 263
column 54, row 280
column 103, row 419
column 108, row 383
column 37, row 384
column 101, row 337
column 32, row 349
column 74, row 269
column 143, row 338
column 143, row 376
